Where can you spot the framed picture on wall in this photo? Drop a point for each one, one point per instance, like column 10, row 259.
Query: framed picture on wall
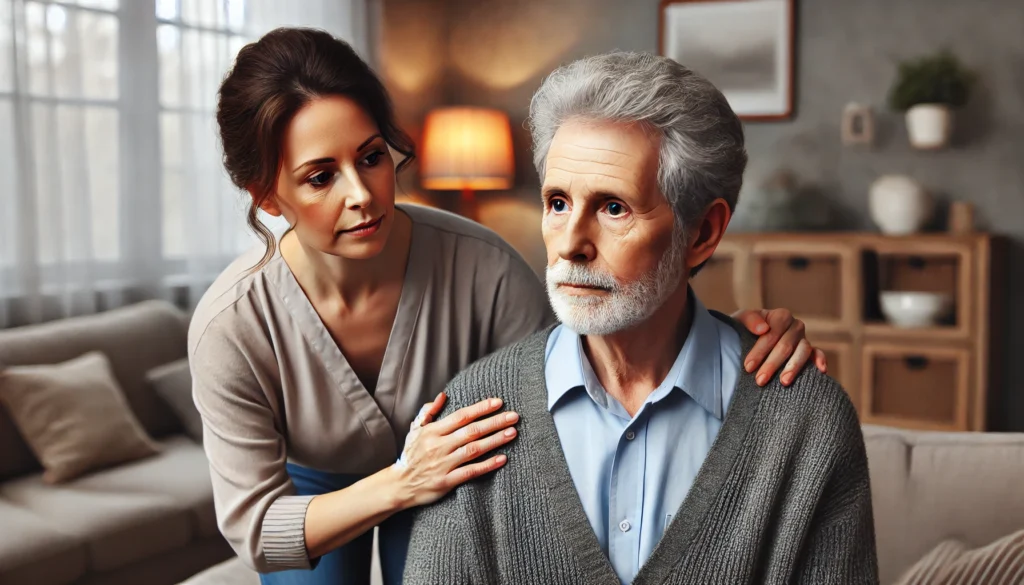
column 744, row 47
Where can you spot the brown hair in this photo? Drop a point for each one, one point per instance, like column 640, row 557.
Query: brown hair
column 271, row 80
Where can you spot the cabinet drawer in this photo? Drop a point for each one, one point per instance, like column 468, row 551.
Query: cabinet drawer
column 923, row 387
column 818, row 284
column 808, row 285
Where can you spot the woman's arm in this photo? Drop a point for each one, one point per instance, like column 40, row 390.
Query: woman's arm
column 267, row 524
column 246, row 454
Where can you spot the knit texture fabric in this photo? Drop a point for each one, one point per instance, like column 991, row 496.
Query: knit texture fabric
column 783, row 496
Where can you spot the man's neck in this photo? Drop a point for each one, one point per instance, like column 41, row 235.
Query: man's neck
column 631, row 364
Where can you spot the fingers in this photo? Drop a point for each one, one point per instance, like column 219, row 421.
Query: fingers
column 779, row 322
column 431, row 410
column 482, row 428
column 427, row 412
column 467, row 472
column 801, row 355
column 464, row 416
column 782, row 351
column 821, row 361
column 753, row 320
column 438, row 403
column 476, row 449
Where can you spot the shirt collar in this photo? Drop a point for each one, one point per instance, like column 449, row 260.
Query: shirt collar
column 697, row 370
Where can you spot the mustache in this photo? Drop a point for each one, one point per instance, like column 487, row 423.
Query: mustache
column 574, row 274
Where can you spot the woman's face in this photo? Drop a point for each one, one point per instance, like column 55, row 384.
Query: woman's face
column 336, row 182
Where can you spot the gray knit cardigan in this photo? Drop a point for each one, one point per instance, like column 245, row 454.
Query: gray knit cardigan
column 783, row 496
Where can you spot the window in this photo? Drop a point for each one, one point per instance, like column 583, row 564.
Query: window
column 71, row 75
column 196, row 41
column 110, row 164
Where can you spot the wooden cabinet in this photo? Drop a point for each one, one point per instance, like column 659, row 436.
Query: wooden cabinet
column 936, row 377
column 924, row 387
column 818, row 279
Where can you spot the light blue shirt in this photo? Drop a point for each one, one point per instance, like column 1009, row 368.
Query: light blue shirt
column 632, row 474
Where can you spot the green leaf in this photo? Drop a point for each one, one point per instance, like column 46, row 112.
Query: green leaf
column 932, row 79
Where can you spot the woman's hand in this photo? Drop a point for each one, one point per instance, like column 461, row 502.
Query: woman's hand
column 437, row 454
column 781, row 337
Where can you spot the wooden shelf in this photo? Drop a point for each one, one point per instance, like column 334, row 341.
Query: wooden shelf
column 888, row 331
column 832, row 282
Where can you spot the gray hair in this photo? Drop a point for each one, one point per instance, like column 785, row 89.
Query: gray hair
column 702, row 155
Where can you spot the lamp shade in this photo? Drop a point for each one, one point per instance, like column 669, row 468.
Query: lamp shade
column 467, row 148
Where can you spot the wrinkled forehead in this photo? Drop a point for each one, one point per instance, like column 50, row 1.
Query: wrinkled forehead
column 599, row 156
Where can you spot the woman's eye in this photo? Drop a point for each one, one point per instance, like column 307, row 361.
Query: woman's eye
column 615, row 209
column 558, row 205
column 373, row 158
column 320, row 179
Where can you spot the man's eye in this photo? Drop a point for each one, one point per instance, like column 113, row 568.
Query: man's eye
column 320, row 179
column 615, row 209
column 558, row 205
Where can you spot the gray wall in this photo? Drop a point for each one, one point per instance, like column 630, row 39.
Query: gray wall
column 496, row 53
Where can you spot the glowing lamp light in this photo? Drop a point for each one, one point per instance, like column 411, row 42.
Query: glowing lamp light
column 467, row 149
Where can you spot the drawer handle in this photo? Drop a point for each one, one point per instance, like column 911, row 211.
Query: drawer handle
column 916, row 362
column 916, row 262
column 798, row 262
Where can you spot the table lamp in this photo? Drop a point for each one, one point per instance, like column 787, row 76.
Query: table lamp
column 467, row 149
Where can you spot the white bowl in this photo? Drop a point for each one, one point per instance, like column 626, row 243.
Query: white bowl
column 909, row 309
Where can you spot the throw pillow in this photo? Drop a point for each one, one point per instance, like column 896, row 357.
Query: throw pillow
column 173, row 383
column 953, row 563
column 74, row 416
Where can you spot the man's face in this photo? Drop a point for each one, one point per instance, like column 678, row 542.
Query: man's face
column 614, row 253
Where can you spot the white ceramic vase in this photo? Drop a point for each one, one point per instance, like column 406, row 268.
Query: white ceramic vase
column 899, row 205
column 929, row 125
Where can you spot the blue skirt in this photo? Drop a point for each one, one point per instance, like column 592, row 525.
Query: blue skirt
column 350, row 564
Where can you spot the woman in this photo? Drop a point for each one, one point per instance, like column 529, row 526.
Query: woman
column 311, row 357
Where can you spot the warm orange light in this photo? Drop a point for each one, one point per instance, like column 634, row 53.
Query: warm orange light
column 466, row 148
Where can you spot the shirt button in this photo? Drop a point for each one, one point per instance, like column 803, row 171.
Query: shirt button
column 624, row 526
column 630, row 436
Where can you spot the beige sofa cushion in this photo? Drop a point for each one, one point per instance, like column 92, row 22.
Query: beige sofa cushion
column 128, row 513
column 180, row 472
column 928, row 487
column 135, row 339
column 953, row 563
column 173, row 383
column 33, row 550
column 73, row 416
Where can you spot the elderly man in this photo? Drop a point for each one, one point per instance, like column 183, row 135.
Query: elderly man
column 645, row 453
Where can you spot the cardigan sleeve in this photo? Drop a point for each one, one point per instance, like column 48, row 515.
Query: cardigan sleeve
column 840, row 546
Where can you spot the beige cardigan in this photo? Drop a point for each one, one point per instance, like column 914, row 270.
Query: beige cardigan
column 272, row 385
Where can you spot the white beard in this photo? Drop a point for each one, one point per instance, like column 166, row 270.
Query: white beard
column 625, row 305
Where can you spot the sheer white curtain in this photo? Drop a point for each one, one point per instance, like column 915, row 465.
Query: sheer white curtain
column 111, row 185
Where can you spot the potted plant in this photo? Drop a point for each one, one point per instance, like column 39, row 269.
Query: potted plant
column 927, row 89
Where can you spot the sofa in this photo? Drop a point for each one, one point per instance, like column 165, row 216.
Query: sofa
column 926, row 487
column 148, row 521
column 152, row 521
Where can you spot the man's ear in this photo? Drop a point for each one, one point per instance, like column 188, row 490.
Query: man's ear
column 709, row 233
column 267, row 203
